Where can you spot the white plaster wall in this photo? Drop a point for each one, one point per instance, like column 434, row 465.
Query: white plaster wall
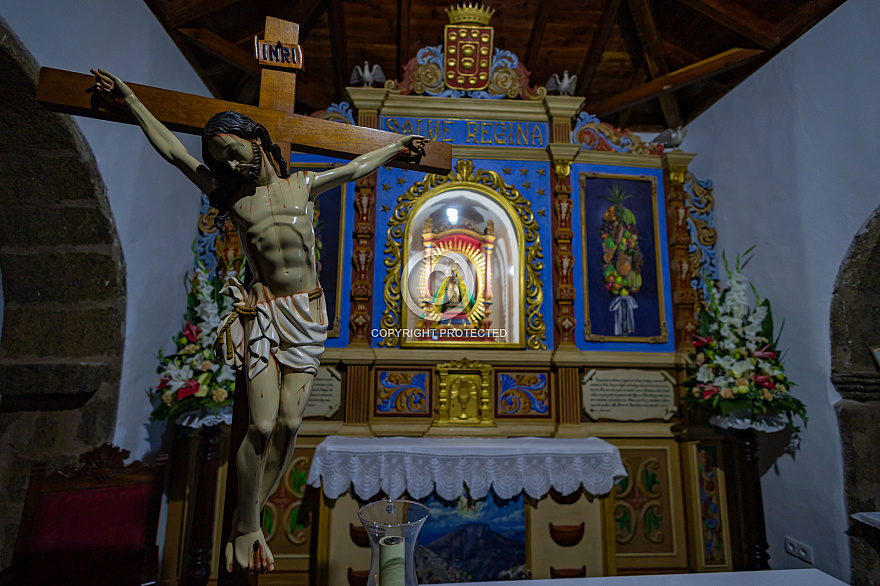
column 154, row 207
column 794, row 155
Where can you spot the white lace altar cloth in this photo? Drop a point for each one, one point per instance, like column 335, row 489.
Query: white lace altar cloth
column 418, row 466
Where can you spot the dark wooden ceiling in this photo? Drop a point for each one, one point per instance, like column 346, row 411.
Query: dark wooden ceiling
column 643, row 64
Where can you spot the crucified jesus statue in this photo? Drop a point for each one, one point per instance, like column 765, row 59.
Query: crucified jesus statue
column 278, row 325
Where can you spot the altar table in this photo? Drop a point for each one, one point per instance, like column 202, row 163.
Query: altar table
column 508, row 466
column 811, row 577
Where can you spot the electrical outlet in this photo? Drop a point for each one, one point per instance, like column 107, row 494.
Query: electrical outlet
column 799, row 550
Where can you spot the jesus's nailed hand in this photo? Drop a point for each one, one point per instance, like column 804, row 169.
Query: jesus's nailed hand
column 109, row 88
column 414, row 147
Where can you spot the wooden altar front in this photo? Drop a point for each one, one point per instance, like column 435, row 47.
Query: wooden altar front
column 546, row 287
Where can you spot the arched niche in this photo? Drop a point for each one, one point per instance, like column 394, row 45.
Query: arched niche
column 488, row 238
column 63, row 290
column 855, row 328
column 483, row 202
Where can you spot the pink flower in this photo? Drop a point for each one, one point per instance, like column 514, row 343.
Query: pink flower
column 710, row 391
column 700, row 341
column 191, row 332
column 163, row 382
column 190, row 387
column 763, row 380
column 764, row 353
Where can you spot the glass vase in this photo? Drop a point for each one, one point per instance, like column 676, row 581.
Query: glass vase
column 393, row 527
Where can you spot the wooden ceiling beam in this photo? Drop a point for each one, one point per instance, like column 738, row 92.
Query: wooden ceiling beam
column 310, row 18
column 675, row 80
column 638, row 78
column 738, row 19
column 403, row 42
column 536, row 36
column 646, row 29
column 627, row 28
column 222, row 49
column 338, row 51
column 597, row 46
column 804, row 18
column 686, row 58
column 181, row 12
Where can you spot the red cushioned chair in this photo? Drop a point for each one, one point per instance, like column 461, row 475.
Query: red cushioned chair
column 94, row 525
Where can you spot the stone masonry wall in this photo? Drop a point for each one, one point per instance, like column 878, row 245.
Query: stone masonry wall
column 63, row 287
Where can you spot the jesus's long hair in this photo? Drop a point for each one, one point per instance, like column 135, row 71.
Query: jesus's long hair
column 229, row 182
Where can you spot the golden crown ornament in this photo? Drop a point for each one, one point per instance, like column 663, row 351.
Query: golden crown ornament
column 469, row 13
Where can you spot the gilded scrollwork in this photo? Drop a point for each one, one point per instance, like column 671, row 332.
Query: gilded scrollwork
column 700, row 203
column 523, row 394
column 652, row 517
column 504, row 82
column 464, row 175
column 625, row 522
column 403, row 393
column 594, row 135
column 428, row 79
column 649, row 483
column 424, row 74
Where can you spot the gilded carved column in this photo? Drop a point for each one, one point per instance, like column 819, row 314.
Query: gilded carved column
column 362, row 261
column 368, row 102
column 561, row 110
column 563, row 258
column 685, row 300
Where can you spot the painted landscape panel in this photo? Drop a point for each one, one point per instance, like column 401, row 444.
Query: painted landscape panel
column 472, row 542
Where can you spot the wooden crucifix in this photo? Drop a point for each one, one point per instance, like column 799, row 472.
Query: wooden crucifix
column 278, row 327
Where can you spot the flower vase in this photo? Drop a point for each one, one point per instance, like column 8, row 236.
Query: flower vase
column 393, row 528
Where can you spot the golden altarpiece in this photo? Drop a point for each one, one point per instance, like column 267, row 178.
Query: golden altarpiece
column 546, row 287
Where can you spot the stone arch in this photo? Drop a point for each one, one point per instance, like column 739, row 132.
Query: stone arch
column 63, row 288
column 855, row 326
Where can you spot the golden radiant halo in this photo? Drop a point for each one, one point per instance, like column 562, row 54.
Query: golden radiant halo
column 472, row 253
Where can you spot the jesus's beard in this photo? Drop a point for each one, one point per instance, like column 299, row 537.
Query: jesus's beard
column 252, row 170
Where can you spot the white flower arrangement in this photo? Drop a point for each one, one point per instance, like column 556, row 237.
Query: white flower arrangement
column 190, row 379
column 737, row 366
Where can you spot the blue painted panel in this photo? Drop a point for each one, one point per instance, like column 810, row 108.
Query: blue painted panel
column 598, row 295
column 471, row 132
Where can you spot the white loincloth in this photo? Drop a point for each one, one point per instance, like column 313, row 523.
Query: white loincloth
column 283, row 328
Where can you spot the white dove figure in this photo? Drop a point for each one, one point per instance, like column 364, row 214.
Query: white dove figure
column 564, row 86
column 670, row 138
column 367, row 76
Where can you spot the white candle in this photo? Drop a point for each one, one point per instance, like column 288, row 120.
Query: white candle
column 391, row 561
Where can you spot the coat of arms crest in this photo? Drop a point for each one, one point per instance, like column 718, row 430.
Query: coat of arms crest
column 467, row 47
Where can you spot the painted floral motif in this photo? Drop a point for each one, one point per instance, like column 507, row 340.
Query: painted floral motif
column 523, row 394
column 710, row 511
column 283, row 506
column 638, row 506
column 737, row 365
column 403, row 393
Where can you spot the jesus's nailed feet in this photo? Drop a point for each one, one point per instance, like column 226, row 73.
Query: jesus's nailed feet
column 250, row 552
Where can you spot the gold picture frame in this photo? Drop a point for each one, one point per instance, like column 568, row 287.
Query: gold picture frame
column 589, row 335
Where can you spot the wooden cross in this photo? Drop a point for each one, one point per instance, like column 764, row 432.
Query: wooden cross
column 68, row 92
